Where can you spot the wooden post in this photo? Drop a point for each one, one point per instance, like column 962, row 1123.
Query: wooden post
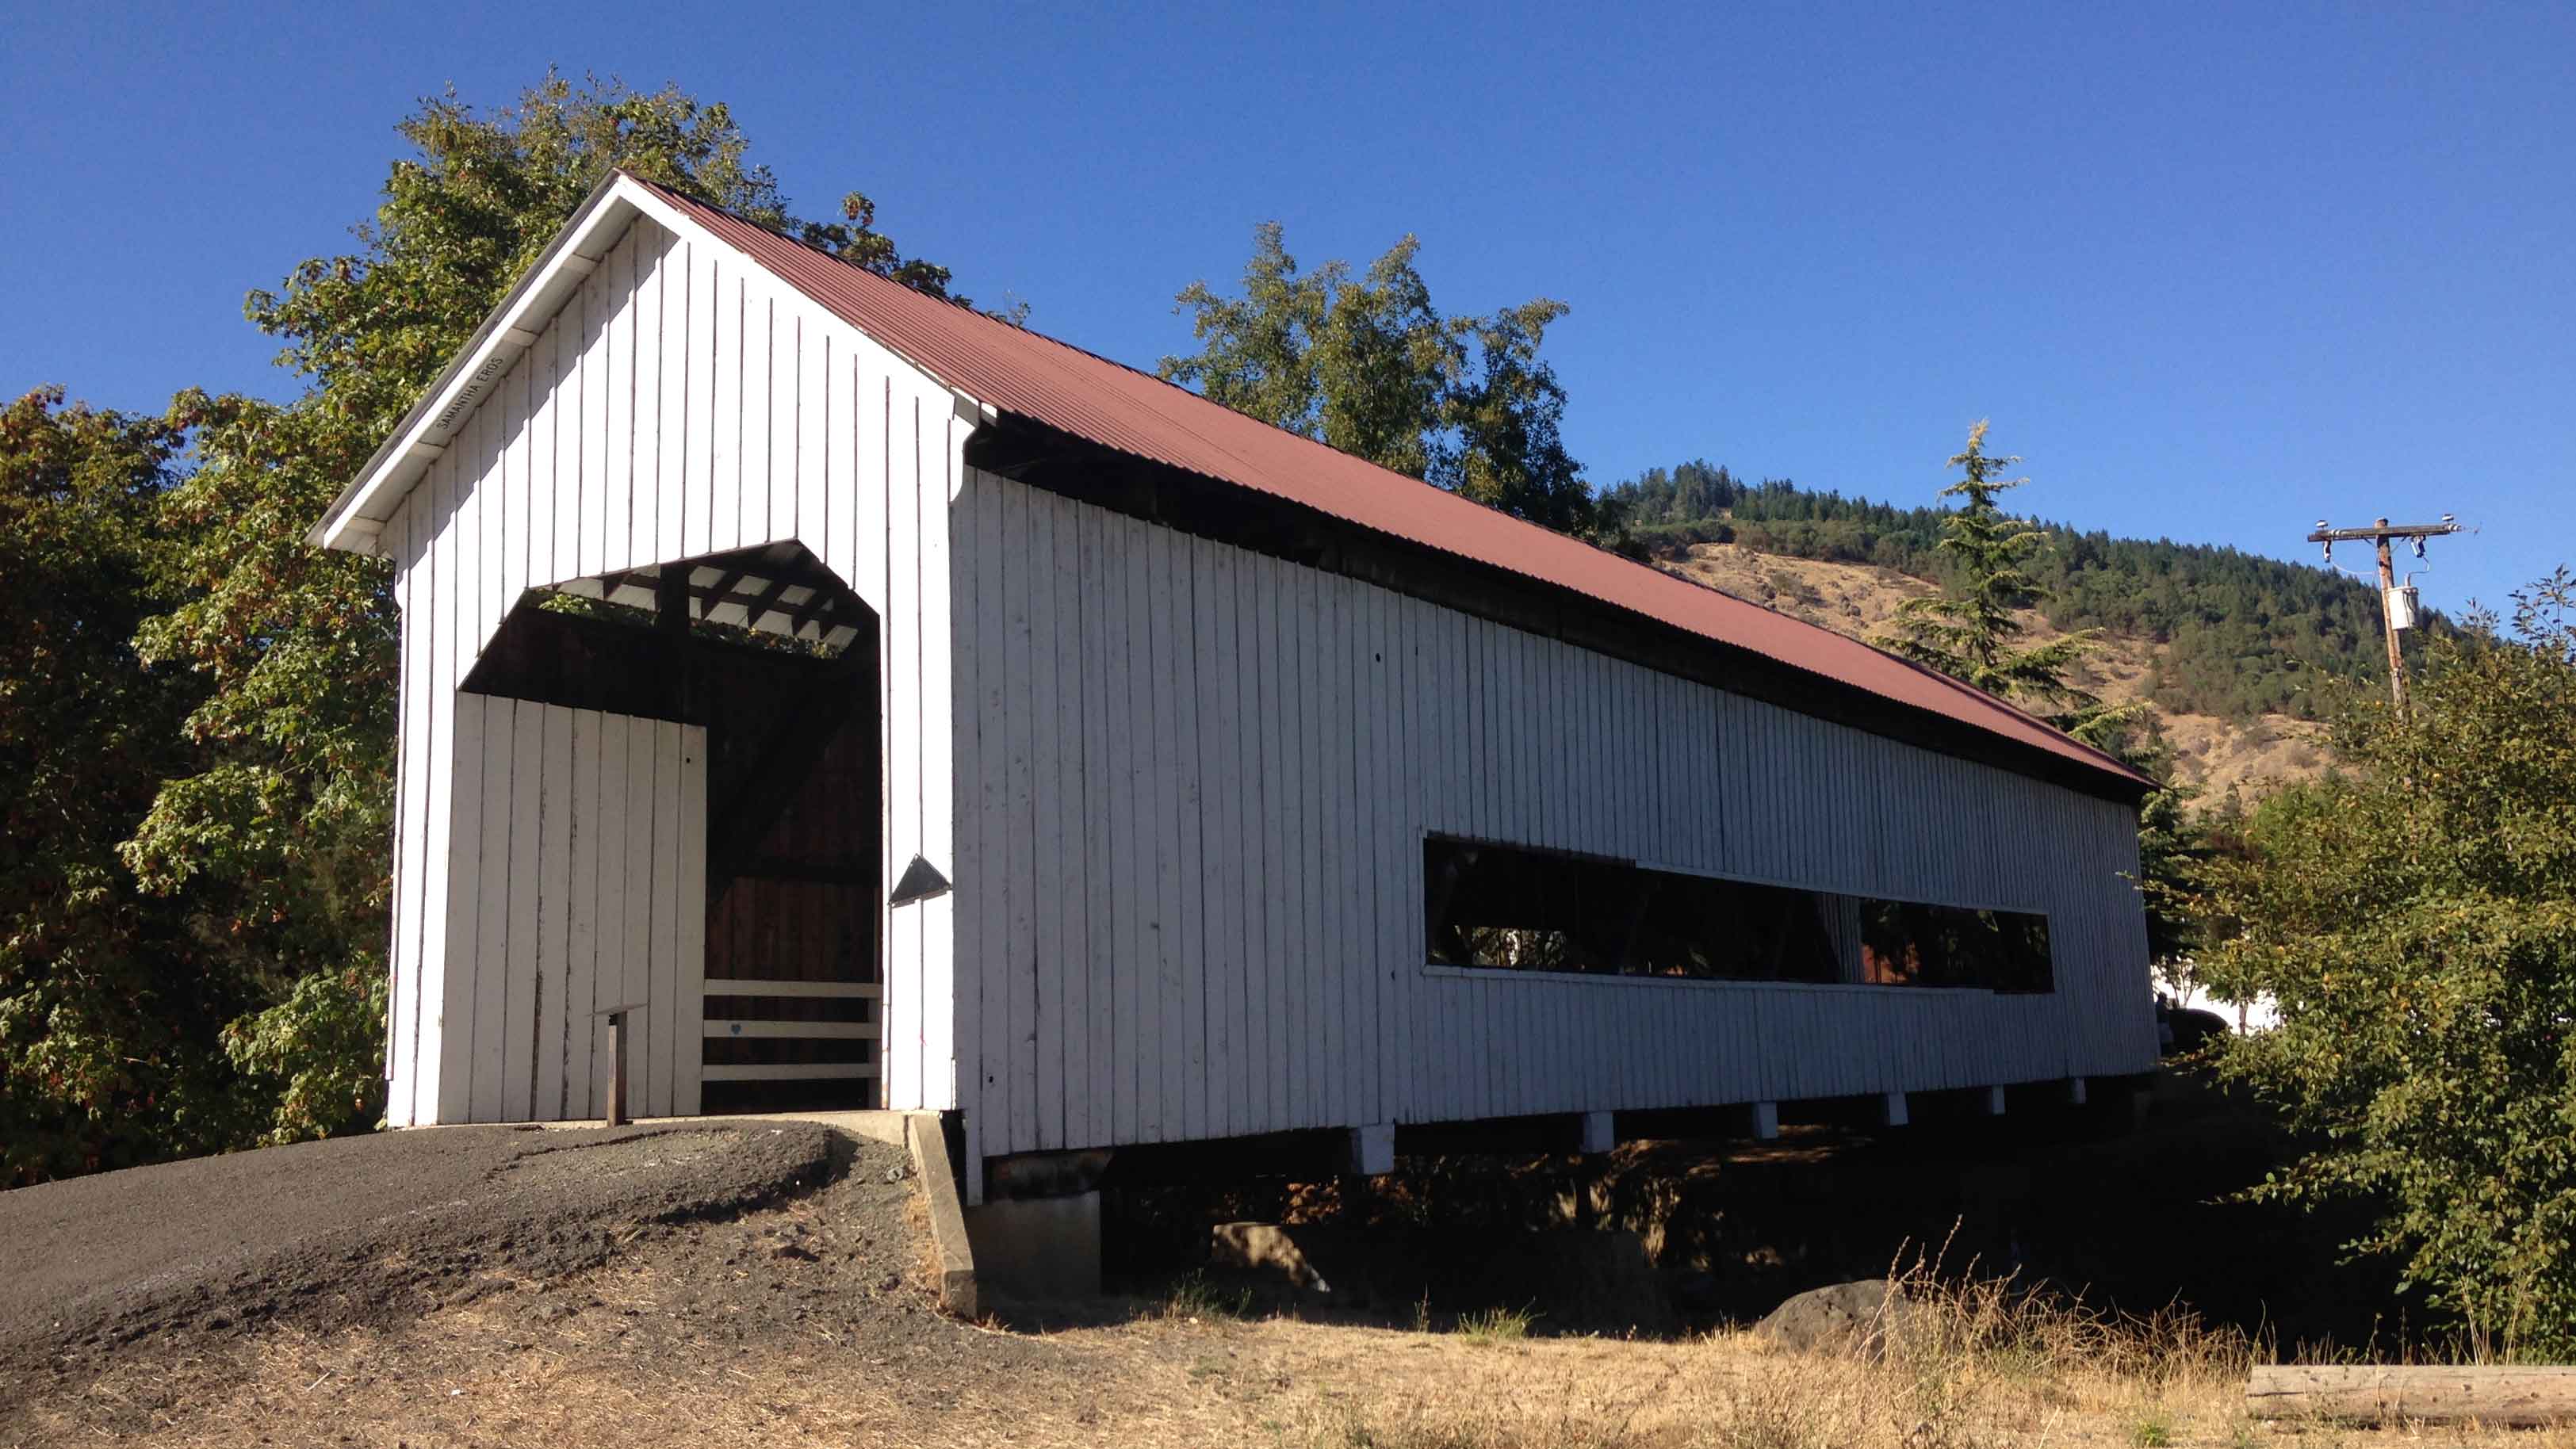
column 671, row 619
column 1596, row 1132
column 1372, row 1150
column 617, row 1059
column 617, row 1069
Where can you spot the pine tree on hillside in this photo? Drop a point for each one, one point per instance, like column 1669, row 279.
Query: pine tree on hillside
column 1968, row 630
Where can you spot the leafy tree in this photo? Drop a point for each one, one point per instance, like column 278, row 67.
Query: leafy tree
column 109, row 1053
column 1260, row 357
column 282, row 821
column 2416, row 920
column 1505, row 414
column 1365, row 364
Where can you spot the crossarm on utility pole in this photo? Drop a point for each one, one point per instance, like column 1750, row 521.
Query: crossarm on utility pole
column 2383, row 530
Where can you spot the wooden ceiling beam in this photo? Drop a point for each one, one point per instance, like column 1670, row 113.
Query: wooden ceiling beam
column 829, row 609
column 717, row 592
column 754, row 580
column 816, row 606
column 768, row 601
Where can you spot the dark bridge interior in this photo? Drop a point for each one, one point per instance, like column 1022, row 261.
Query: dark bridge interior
column 777, row 659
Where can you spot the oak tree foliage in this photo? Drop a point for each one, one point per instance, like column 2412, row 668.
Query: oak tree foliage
column 109, row 1048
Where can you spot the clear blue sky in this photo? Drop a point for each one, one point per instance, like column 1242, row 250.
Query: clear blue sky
column 2217, row 272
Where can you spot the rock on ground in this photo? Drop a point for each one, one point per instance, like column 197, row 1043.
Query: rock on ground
column 1852, row 1317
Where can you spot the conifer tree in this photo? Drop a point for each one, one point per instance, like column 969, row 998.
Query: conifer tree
column 1968, row 631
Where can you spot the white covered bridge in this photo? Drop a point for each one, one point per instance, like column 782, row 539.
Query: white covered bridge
column 908, row 710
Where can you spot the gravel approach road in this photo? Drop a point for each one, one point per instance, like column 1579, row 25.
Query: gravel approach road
column 364, row 1229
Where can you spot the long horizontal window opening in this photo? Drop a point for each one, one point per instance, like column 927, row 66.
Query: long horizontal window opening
column 1507, row 907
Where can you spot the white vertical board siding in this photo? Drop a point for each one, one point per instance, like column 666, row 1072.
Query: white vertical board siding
column 1192, row 783
column 402, row 1020
column 929, row 1014
column 567, row 947
column 679, row 403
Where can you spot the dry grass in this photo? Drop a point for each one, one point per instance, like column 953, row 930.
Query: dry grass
column 1198, row 1296
column 1966, row 1362
column 1970, row 1379
column 1969, row 1363
column 1497, row 1325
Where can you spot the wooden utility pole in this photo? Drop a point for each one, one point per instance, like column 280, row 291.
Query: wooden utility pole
column 2382, row 534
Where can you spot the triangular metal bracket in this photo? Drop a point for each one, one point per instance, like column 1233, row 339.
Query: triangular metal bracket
column 921, row 881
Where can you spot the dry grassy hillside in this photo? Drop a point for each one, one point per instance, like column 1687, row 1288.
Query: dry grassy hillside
column 2210, row 753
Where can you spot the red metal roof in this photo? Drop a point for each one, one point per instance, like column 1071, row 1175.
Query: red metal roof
column 1063, row 387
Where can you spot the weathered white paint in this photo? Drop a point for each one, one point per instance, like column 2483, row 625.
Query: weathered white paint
column 1275, row 743
column 676, row 401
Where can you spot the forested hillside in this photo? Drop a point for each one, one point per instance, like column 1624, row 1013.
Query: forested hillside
column 2237, row 636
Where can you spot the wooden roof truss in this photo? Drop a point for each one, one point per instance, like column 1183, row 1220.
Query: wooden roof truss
column 776, row 589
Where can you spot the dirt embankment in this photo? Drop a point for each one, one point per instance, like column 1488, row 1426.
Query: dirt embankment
column 358, row 1230
column 167, row 1303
